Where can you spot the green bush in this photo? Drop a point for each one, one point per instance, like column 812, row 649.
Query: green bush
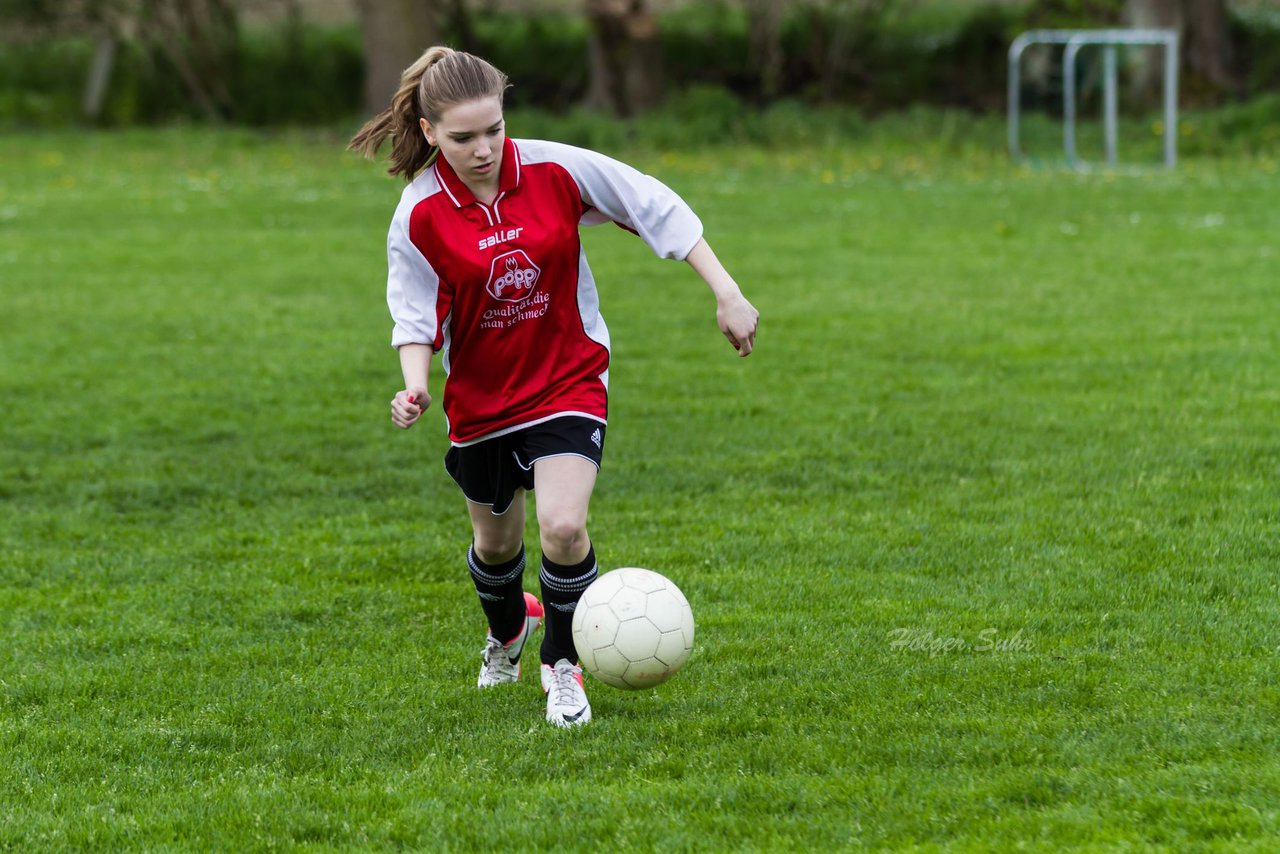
column 706, row 44
column 42, row 82
column 278, row 77
column 833, row 55
column 315, row 76
column 971, row 64
column 1248, row 128
column 575, row 127
column 700, row 117
column 1258, row 40
column 544, row 56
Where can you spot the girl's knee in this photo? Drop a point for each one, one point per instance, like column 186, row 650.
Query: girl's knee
column 562, row 533
column 496, row 547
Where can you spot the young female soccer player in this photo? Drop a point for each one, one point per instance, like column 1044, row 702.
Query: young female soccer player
column 486, row 268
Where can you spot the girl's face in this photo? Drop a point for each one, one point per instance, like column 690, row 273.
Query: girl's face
column 470, row 137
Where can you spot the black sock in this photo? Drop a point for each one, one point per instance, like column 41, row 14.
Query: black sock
column 501, row 593
column 562, row 586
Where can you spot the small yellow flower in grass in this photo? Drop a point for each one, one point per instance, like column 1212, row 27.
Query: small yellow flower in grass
column 52, row 158
column 828, row 177
column 1157, row 128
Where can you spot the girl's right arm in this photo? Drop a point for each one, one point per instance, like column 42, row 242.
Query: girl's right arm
column 413, row 290
column 408, row 405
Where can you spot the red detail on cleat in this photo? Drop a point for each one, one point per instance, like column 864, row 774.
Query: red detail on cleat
column 532, row 607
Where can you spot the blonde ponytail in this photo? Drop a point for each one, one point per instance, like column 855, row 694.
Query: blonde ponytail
column 439, row 79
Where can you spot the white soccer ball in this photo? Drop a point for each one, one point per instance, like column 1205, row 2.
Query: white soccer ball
column 633, row 628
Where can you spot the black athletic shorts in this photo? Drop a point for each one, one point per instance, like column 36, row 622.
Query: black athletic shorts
column 490, row 472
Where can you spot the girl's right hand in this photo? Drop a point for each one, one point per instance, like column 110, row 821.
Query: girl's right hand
column 408, row 405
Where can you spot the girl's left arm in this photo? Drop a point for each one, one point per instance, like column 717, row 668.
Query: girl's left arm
column 612, row 190
column 737, row 317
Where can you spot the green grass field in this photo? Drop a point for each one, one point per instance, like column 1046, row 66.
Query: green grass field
column 982, row 541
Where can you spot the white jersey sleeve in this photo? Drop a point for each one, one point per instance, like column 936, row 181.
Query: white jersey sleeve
column 412, row 284
column 622, row 194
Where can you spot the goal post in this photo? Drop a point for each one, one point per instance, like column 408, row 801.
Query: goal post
column 1073, row 41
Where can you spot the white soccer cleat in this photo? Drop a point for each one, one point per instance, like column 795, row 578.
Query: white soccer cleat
column 502, row 660
column 566, row 700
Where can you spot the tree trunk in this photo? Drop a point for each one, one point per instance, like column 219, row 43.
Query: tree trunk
column 1208, row 43
column 95, row 87
column 625, row 55
column 394, row 34
column 1148, row 67
column 460, row 23
column 764, row 30
column 1205, row 42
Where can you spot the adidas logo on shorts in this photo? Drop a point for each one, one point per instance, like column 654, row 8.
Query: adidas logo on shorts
column 595, row 438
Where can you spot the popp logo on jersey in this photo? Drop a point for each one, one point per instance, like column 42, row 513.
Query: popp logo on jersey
column 512, row 276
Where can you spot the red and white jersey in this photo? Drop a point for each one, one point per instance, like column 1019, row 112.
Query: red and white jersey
column 504, row 290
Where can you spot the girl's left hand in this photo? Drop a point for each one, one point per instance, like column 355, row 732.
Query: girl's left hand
column 738, row 320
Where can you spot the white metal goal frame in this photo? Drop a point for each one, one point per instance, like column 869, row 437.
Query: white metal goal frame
column 1074, row 40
